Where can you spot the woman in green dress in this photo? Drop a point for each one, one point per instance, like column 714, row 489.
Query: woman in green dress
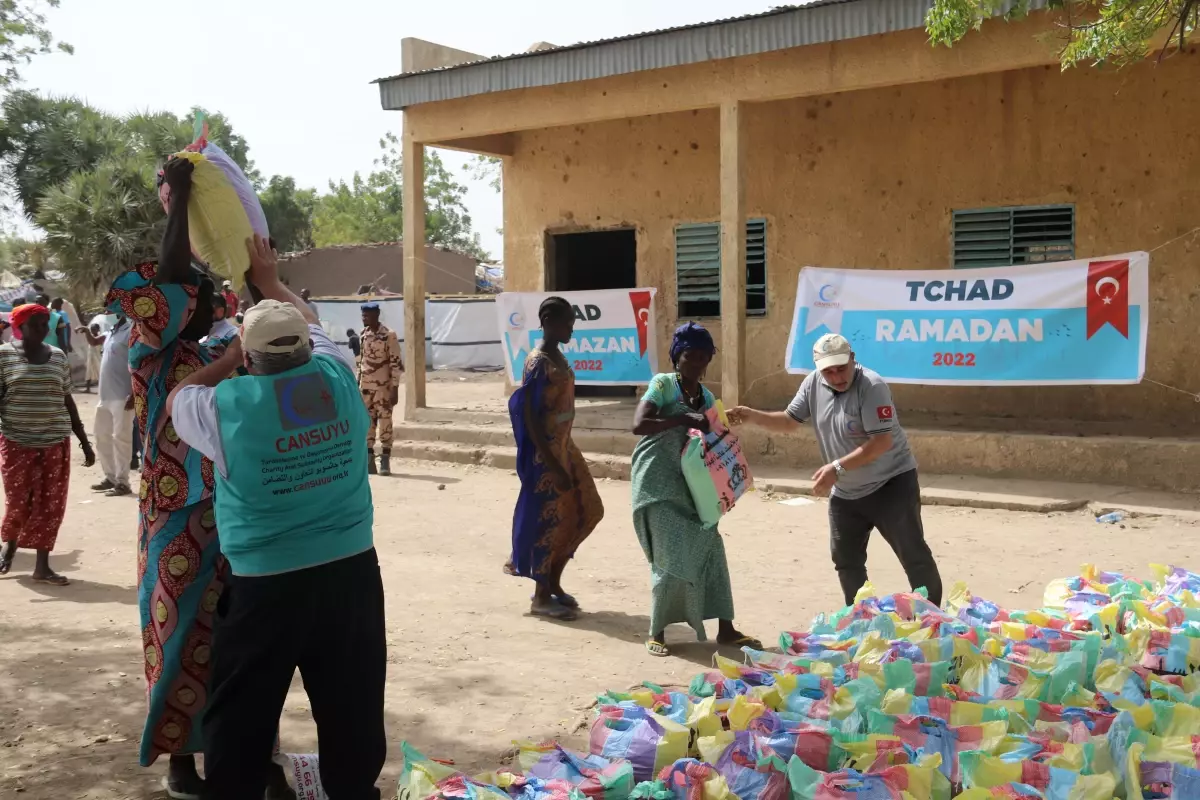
column 689, row 574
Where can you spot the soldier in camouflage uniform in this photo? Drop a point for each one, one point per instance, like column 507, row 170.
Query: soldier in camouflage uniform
column 380, row 369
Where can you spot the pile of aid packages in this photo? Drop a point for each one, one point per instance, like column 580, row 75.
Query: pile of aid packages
column 1095, row 696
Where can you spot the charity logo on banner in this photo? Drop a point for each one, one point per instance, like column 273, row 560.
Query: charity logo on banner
column 614, row 341
column 1070, row 322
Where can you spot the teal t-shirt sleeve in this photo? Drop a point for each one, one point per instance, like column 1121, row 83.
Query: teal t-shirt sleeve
column 657, row 392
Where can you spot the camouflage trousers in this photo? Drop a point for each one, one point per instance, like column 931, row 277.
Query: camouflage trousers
column 379, row 409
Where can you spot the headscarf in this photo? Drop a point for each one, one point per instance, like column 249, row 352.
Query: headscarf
column 691, row 337
column 22, row 314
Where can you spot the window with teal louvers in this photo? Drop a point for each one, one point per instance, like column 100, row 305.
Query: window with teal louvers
column 698, row 269
column 997, row 237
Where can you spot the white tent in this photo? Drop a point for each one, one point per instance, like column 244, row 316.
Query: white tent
column 460, row 332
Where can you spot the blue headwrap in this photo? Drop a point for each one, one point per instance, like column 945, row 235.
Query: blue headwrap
column 691, row 337
column 369, row 307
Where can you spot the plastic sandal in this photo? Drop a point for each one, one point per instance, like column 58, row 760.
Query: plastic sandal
column 657, row 649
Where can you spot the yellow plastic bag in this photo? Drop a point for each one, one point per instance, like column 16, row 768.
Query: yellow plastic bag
column 223, row 208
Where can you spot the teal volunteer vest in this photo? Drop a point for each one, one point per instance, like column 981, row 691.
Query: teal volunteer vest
column 296, row 494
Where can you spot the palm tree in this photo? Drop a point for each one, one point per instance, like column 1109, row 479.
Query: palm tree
column 100, row 223
column 43, row 141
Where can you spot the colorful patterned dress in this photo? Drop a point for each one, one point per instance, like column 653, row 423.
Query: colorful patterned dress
column 689, row 573
column 181, row 571
column 549, row 524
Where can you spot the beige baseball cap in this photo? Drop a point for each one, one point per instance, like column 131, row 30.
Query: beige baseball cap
column 832, row 350
column 269, row 320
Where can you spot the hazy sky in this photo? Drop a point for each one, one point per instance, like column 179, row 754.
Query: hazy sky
column 294, row 76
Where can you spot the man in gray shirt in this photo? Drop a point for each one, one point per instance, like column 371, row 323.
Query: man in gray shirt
column 870, row 472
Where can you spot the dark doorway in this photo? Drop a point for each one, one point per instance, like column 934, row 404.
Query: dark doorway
column 590, row 260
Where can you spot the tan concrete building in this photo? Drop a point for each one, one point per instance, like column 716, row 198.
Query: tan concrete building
column 843, row 139
column 340, row 270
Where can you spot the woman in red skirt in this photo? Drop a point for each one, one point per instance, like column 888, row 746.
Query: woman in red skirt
column 37, row 415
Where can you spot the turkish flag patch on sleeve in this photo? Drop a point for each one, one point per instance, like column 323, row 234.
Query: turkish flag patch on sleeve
column 884, row 413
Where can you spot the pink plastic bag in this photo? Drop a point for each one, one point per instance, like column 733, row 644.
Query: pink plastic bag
column 715, row 468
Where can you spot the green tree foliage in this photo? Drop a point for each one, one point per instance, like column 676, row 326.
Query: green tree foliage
column 23, row 257
column 371, row 209
column 88, row 178
column 45, row 140
column 1116, row 32
column 100, row 222
column 487, row 169
column 289, row 213
column 23, row 34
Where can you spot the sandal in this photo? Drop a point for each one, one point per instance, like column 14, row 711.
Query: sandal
column 740, row 642
column 567, row 600
column 657, row 649
column 54, row 579
column 556, row 611
column 176, row 790
column 5, row 564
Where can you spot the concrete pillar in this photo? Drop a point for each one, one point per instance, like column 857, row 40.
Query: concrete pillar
column 413, row 157
column 733, row 253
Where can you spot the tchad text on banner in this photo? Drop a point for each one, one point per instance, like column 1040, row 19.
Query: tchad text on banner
column 1069, row 322
column 613, row 344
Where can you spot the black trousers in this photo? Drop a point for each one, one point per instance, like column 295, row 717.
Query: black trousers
column 894, row 509
column 327, row 621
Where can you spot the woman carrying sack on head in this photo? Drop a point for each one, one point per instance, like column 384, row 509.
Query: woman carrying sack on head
column 37, row 416
column 688, row 569
column 181, row 571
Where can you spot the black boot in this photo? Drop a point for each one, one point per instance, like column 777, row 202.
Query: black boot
column 371, row 461
column 385, row 462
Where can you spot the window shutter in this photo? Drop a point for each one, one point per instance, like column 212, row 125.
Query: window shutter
column 996, row 237
column 756, row 267
column 698, row 269
column 1043, row 234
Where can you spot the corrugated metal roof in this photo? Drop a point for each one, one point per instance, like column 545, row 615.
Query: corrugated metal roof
column 779, row 29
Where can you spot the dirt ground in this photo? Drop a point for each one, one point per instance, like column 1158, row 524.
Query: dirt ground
column 469, row 670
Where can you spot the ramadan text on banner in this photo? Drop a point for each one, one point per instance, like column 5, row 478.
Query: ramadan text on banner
column 1070, row 322
column 614, row 341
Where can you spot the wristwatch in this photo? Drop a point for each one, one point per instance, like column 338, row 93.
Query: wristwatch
column 841, row 471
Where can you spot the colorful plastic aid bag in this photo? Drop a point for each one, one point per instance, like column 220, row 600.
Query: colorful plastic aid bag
column 747, row 769
column 894, row 783
column 649, row 742
column 223, row 209
column 989, row 772
column 595, row 776
column 932, row 735
column 715, row 468
column 686, row 779
column 424, row 778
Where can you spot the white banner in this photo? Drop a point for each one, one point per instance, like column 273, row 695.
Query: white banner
column 614, row 342
column 1071, row 322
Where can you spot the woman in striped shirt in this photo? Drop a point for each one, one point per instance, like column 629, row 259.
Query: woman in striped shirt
column 37, row 415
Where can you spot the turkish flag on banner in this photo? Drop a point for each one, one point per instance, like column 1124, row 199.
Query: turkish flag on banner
column 641, row 315
column 1108, row 296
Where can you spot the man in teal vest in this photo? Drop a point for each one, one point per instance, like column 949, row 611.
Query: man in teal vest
column 295, row 516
